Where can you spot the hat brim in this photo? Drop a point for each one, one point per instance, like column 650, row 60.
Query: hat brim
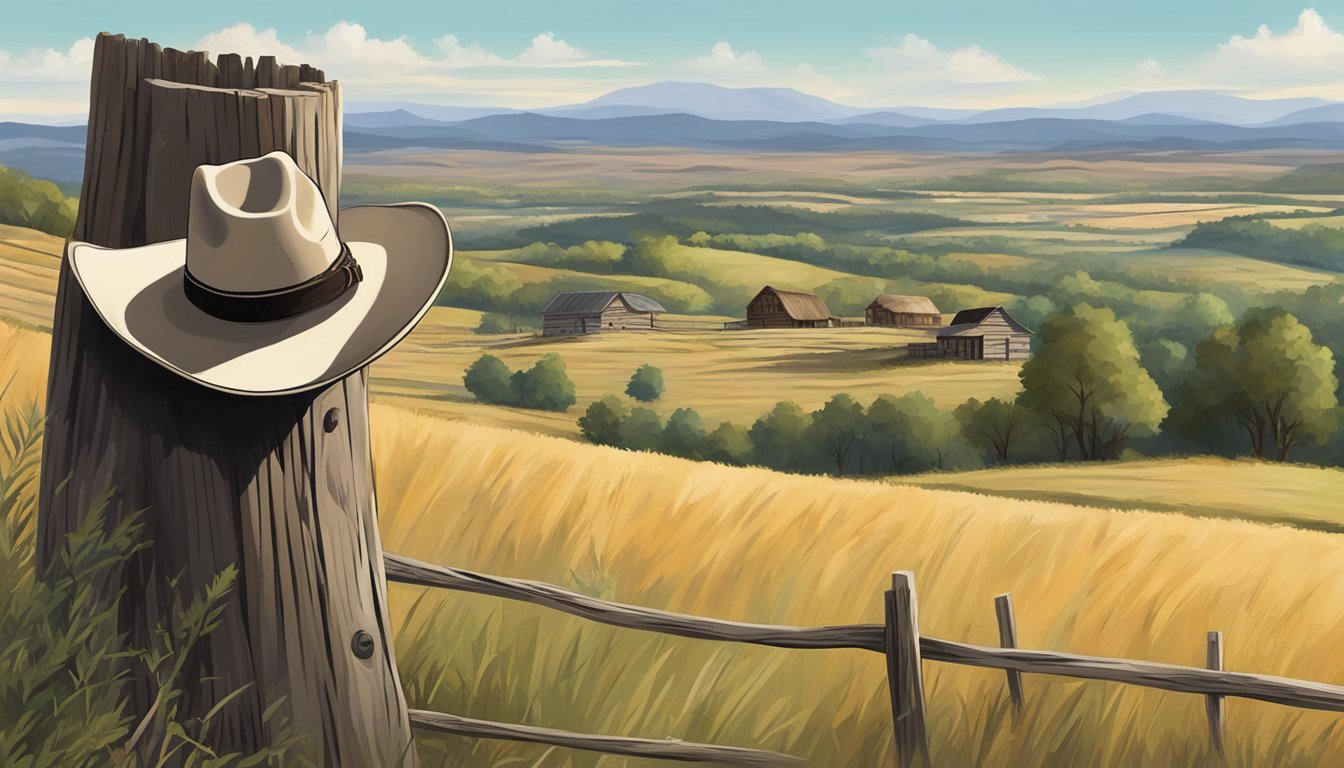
column 404, row 251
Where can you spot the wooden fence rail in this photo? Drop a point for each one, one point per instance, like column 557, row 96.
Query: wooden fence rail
column 906, row 649
column 668, row 749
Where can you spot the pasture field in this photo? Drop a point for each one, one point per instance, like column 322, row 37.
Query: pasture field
column 1310, row 221
column 30, row 262
column 1232, row 269
column 811, row 551
column 814, row 551
column 735, row 375
column 1298, row 495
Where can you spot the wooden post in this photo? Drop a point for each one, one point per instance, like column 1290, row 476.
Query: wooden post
column 1003, row 611
column 1213, row 705
column 905, row 675
column 281, row 487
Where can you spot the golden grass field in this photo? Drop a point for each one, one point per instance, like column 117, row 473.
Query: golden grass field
column 29, row 265
column 1232, row 269
column 735, row 375
column 1293, row 494
column 755, row 545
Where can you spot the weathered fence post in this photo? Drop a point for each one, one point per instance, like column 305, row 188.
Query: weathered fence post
column 1003, row 612
column 1213, row 705
column 280, row 487
column 905, row 674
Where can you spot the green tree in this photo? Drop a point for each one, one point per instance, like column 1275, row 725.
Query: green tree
column 996, row 427
column 642, row 429
column 836, row 430
column 601, row 422
column 729, row 443
column 646, row 384
column 494, row 322
column 911, row 433
column 684, row 434
column 489, row 380
column 777, row 437
column 545, row 386
column 1086, row 381
column 1266, row 375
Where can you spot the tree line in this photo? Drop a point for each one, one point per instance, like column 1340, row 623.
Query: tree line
column 1259, row 386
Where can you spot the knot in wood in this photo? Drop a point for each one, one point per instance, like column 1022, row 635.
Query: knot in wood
column 332, row 419
column 362, row 644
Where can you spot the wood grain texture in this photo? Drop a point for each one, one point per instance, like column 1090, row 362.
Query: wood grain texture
column 871, row 637
column 669, row 749
column 905, row 673
column 218, row 479
column 1007, row 621
column 1213, row 704
column 408, row 571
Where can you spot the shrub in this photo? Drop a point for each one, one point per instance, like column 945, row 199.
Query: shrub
column 490, row 381
column 777, row 437
column 729, row 443
column 601, row 423
column 35, row 203
column 642, row 430
column 545, row 386
column 684, row 434
column 646, row 385
column 498, row 322
column 62, row 665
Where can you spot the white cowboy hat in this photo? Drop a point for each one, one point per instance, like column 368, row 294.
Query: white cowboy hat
column 264, row 296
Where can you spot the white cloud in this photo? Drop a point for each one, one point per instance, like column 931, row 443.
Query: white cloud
column 724, row 61
column 347, row 47
column 349, row 52
column 49, row 64
column 1148, row 68
column 247, row 40
column 545, row 49
column 458, row 55
column 916, row 59
column 1310, row 52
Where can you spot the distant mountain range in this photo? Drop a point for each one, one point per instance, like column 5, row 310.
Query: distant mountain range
column 718, row 102
column 712, row 117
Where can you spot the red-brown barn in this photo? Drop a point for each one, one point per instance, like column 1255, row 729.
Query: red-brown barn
column 776, row 308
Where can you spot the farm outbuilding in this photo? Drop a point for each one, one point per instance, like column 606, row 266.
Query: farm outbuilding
column 575, row 312
column 776, row 308
column 986, row 333
column 892, row 310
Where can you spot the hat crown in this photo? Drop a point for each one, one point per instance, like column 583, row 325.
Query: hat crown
column 258, row 225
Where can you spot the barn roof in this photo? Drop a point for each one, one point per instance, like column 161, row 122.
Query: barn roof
column 800, row 305
column 968, row 319
column 592, row 302
column 917, row 305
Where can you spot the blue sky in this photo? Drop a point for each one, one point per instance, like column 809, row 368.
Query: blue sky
column 529, row 53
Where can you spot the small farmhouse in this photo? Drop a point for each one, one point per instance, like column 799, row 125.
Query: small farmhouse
column 574, row 312
column 892, row 310
column 987, row 333
column 775, row 308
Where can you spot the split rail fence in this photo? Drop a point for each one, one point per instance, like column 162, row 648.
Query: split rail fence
column 897, row 638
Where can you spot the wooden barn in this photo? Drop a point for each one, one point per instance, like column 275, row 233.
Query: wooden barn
column 775, row 308
column 892, row 310
column 574, row 312
column 987, row 333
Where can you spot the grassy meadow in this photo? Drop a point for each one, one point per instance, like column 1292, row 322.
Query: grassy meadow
column 1134, row 559
column 808, row 550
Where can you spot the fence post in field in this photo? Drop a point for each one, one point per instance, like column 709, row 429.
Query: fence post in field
column 279, row 487
column 905, row 676
column 1003, row 612
column 1214, row 704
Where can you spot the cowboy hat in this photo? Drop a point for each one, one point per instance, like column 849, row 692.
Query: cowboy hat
column 265, row 296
